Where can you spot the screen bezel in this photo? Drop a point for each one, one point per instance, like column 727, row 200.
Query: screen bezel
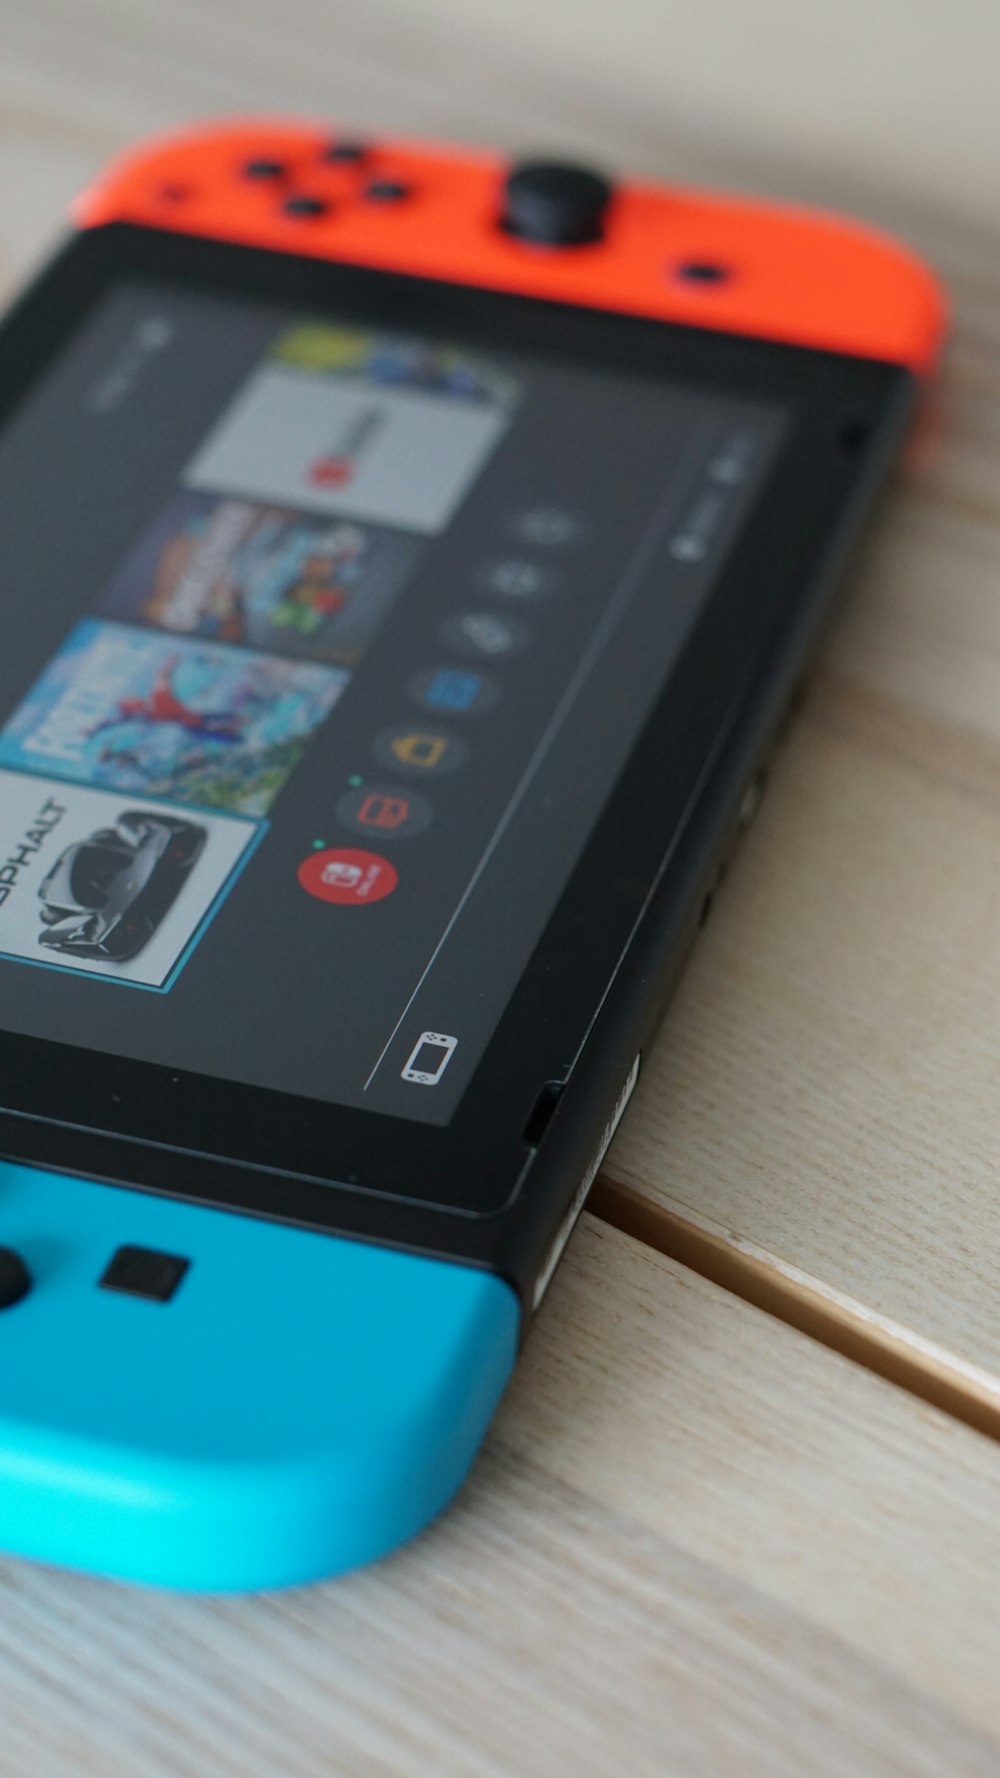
column 473, row 1165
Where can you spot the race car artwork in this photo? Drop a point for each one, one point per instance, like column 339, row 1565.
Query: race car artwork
column 106, row 895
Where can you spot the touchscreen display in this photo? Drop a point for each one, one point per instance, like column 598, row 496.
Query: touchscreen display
column 323, row 647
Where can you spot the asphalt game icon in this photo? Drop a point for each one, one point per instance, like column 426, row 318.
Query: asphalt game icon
column 110, row 885
column 106, row 895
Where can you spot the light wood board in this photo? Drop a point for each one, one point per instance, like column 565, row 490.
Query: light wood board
column 698, row 1543
column 698, row 1546
column 824, row 1102
column 890, row 113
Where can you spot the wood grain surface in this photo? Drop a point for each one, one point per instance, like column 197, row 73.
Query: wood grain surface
column 698, row 1546
column 698, row 1543
column 825, row 1098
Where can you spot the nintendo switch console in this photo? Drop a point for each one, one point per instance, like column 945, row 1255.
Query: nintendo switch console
column 408, row 561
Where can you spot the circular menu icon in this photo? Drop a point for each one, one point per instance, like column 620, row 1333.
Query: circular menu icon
column 551, row 527
column 385, row 812
column 455, row 691
column 348, row 876
column 517, row 578
column 426, row 752
column 486, row 633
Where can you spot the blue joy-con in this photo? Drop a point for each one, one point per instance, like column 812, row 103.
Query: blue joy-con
column 301, row 1403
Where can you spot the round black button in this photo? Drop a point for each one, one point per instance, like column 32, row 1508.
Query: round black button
column 386, row 191
column 15, row 1279
column 702, row 271
column 346, row 153
column 263, row 169
column 305, row 206
column 554, row 204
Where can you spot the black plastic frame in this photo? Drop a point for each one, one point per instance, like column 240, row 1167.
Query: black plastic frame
column 598, row 981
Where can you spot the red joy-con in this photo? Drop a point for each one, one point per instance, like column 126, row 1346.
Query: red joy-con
column 787, row 273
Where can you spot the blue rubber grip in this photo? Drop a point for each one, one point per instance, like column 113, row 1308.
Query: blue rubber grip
column 302, row 1404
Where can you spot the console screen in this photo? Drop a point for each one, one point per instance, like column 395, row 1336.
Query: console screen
column 324, row 646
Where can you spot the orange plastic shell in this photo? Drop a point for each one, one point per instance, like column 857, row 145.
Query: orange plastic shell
column 794, row 274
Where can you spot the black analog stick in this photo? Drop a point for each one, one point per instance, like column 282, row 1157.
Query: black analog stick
column 15, row 1279
column 554, row 204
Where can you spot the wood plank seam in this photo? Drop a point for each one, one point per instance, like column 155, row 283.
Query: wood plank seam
column 803, row 1302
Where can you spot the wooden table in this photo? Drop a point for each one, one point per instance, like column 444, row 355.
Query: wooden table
column 740, row 1514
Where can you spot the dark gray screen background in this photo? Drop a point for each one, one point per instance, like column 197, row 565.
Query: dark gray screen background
column 284, row 991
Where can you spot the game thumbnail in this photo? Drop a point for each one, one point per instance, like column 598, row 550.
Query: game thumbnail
column 150, row 715
column 373, row 429
column 238, row 571
column 108, row 885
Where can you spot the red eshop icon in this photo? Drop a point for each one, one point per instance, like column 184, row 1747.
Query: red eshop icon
column 331, row 472
column 346, row 875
